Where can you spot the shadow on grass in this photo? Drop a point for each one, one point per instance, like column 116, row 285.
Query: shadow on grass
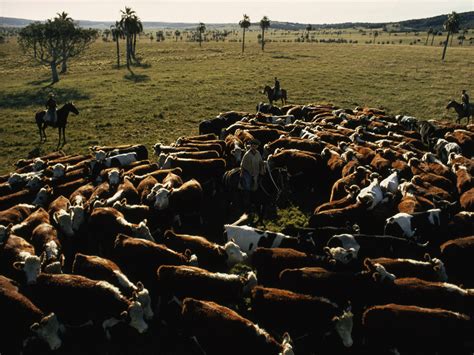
column 38, row 97
column 45, row 80
column 136, row 78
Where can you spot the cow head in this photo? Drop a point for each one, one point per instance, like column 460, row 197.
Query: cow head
column 38, row 164
column 114, row 176
column 341, row 255
column 438, row 267
column 35, row 183
column 234, row 254
column 142, row 231
column 64, row 221
column 237, row 153
column 58, row 170
column 161, row 197
column 43, row 196
column 15, row 179
column 249, row 282
column 378, row 272
column 48, row 330
column 31, row 266
column 78, row 216
column 167, row 163
column 162, row 159
column 343, row 325
column 134, row 314
column 100, row 156
column 142, row 295
column 5, row 233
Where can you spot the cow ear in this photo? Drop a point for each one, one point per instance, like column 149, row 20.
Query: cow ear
column 35, row 327
column 9, row 229
column 124, row 315
column 121, row 172
column 18, row 265
column 123, row 201
column 368, row 264
column 55, row 217
column 188, row 253
column 436, row 267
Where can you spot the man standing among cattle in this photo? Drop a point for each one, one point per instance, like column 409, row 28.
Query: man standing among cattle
column 251, row 168
column 51, row 116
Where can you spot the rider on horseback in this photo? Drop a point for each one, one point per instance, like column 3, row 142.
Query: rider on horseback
column 51, row 115
column 465, row 101
column 276, row 88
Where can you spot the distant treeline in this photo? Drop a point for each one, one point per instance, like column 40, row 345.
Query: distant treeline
column 436, row 22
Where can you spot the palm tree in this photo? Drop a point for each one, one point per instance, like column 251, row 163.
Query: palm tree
column 244, row 24
column 451, row 25
column 430, row 31
column 177, row 33
column 131, row 26
column 264, row 24
column 67, row 26
column 376, row 33
column 432, row 38
column 201, row 28
column 117, row 34
column 308, row 29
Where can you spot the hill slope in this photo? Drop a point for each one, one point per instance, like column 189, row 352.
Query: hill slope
column 436, row 22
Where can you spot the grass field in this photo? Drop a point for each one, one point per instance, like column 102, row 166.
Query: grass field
column 180, row 84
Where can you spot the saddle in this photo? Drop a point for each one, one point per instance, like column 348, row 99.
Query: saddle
column 50, row 117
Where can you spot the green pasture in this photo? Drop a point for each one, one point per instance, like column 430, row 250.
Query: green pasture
column 178, row 84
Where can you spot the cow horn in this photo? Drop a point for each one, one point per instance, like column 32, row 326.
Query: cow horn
column 427, row 257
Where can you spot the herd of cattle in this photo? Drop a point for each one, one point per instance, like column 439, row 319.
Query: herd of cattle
column 111, row 247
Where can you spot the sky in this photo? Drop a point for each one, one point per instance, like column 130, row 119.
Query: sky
column 225, row 11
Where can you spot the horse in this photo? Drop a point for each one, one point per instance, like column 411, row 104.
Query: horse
column 271, row 189
column 61, row 121
column 272, row 97
column 460, row 110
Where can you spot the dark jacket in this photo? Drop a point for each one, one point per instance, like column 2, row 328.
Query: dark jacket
column 51, row 104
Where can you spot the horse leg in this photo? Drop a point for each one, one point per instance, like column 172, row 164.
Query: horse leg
column 41, row 136
column 64, row 136
column 59, row 137
column 44, row 133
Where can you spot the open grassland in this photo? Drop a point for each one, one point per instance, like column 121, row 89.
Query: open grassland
column 179, row 84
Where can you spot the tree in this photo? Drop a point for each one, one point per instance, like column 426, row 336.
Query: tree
column 67, row 24
column 177, row 33
column 376, row 33
column 264, row 24
column 430, row 31
column 309, row 28
column 117, row 34
column 244, row 24
column 451, row 25
column 201, row 28
column 53, row 42
column 131, row 26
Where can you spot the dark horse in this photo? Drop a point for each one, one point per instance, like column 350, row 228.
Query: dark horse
column 460, row 110
column 271, row 188
column 272, row 97
column 61, row 122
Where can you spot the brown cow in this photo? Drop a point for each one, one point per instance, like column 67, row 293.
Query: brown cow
column 231, row 333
